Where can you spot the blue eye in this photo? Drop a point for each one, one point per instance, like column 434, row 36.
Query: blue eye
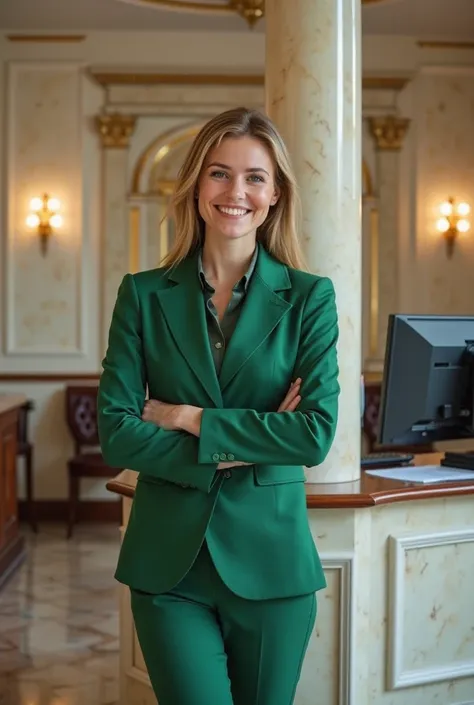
column 257, row 177
column 218, row 174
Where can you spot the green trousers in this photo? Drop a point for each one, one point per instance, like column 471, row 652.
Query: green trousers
column 203, row 645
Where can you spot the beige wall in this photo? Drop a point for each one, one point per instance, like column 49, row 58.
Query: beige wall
column 51, row 308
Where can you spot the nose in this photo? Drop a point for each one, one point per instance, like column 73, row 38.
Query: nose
column 237, row 189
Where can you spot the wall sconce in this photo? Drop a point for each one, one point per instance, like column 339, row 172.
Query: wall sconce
column 44, row 217
column 453, row 222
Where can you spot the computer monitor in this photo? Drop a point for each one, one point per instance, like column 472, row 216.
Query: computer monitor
column 428, row 383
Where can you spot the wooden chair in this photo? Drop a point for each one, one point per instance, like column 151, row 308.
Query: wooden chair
column 25, row 451
column 373, row 394
column 81, row 416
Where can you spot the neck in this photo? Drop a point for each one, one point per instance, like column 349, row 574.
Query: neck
column 225, row 263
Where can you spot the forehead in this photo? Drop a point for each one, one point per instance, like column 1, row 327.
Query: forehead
column 241, row 153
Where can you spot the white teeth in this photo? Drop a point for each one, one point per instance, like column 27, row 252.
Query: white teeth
column 232, row 211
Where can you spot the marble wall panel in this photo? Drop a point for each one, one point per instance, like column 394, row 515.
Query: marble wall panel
column 43, row 311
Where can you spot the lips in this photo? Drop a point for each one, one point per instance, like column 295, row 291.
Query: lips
column 234, row 212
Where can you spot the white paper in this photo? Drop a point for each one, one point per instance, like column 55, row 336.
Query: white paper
column 424, row 474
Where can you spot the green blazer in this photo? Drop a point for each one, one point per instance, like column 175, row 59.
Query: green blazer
column 255, row 523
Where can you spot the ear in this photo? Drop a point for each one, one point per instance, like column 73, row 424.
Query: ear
column 275, row 197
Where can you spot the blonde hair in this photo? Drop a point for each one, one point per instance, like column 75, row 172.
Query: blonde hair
column 279, row 233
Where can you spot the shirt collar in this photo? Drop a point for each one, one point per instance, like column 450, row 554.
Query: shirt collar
column 244, row 281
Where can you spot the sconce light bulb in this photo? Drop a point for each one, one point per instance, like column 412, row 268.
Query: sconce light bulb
column 33, row 220
column 463, row 209
column 463, row 225
column 446, row 208
column 36, row 204
column 56, row 221
column 443, row 225
column 53, row 204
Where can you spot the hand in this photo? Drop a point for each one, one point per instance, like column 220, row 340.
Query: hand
column 293, row 397
column 166, row 416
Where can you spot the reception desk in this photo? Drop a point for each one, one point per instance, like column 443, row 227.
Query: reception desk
column 11, row 541
column 395, row 625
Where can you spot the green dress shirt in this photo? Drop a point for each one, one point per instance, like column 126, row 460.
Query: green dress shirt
column 220, row 332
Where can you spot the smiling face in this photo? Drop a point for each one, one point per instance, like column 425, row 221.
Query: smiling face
column 236, row 188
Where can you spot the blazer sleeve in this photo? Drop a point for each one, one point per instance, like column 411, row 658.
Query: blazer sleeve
column 127, row 441
column 301, row 437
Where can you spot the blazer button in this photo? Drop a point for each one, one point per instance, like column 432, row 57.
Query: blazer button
column 223, row 456
column 230, row 456
column 216, row 457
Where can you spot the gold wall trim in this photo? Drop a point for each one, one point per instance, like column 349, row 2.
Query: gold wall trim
column 374, row 283
column 192, row 6
column 367, row 183
column 426, row 44
column 106, row 78
column 47, row 38
column 134, row 240
column 145, row 78
column 160, row 148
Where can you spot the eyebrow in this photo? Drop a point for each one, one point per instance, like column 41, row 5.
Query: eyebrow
column 225, row 166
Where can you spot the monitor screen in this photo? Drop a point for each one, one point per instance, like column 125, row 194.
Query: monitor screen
column 427, row 391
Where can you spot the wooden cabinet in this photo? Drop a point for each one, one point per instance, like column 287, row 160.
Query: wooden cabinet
column 11, row 541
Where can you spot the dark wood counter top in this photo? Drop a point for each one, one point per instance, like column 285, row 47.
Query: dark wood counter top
column 370, row 491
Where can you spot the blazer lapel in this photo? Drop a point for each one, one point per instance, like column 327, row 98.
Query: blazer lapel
column 183, row 307
column 262, row 310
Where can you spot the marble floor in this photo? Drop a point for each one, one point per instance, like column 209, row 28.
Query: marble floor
column 59, row 620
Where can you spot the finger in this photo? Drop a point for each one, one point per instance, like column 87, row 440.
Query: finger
column 284, row 405
column 292, row 392
column 294, row 404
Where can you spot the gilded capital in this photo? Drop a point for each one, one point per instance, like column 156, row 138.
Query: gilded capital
column 389, row 131
column 115, row 130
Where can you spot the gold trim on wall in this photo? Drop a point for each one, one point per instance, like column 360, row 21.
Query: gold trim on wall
column 192, row 6
column 427, row 44
column 374, row 283
column 367, row 183
column 161, row 146
column 105, row 78
column 134, row 239
column 47, row 38
column 146, row 78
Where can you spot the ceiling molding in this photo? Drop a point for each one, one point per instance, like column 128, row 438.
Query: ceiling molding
column 139, row 78
column 47, row 38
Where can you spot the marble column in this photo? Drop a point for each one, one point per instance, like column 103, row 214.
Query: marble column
column 313, row 93
column 115, row 132
column 388, row 133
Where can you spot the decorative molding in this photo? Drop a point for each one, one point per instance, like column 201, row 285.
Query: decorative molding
column 47, row 38
column 343, row 563
column 115, row 130
column 134, row 239
column 42, row 377
column 11, row 347
column 389, row 131
column 105, row 78
column 147, row 78
column 429, row 44
column 374, row 236
column 158, row 150
column 398, row 676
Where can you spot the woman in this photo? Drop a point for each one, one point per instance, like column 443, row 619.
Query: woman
column 218, row 553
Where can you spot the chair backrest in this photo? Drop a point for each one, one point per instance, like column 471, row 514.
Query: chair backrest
column 81, row 414
column 373, row 393
column 22, row 425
